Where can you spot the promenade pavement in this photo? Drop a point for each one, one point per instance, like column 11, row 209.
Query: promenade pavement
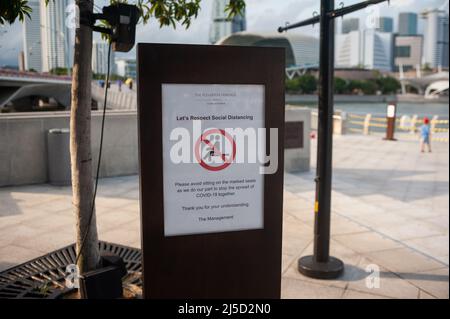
column 390, row 212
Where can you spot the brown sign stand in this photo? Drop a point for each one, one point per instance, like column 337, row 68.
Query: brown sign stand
column 237, row 264
column 391, row 117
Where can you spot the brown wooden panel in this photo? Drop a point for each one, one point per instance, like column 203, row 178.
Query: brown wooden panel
column 240, row 264
column 293, row 135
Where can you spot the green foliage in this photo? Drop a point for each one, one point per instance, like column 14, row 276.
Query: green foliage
column 169, row 12
column 427, row 67
column 166, row 12
column 308, row 84
column 354, row 86
column 10, row 10
column 235, row 7
column 340, row 85
column 292, row 86
column 305, row 84
column 369, row 87
column 388, row 84
column 112, row 77
column 59, row 71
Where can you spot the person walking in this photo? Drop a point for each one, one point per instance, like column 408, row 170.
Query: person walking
column 425, row 135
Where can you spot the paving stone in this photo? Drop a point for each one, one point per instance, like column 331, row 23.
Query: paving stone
column 352, row 294
column 432, row 282
column 299, row 289
column 386, row 211
column 404, row 260
column 366, row 242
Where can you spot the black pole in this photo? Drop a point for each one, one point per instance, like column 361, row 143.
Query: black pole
column 321, row 265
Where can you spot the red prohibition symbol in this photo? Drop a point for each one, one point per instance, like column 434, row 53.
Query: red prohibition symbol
column 227, row 159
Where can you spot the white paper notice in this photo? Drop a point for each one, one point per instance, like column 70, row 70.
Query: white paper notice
column 205, row 189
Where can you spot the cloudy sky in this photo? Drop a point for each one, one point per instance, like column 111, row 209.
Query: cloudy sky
column 262, row 16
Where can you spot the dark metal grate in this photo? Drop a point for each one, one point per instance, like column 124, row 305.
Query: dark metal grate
column 44, row 277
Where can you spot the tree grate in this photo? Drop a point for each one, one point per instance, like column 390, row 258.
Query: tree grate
column 44, row 277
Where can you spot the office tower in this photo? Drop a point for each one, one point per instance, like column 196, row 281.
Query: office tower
column 408, row 51
column 369, row 49
column 56, row 50
column 407, row 23
column 221, row 25
column 436, row 38
column 126, row 67
column 100, row 58
column 32, row 38
column 385, row 24
column 349, row 25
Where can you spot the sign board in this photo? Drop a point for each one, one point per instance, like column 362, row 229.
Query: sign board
column 293, row 136
column 213, row 194
column 391, row 110
column 391, row 113
column 211, row 220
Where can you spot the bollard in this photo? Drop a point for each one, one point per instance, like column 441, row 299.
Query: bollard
column 366, row 129
column 391, row 114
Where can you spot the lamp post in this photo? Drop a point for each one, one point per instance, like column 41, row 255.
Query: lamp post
column 321, row 265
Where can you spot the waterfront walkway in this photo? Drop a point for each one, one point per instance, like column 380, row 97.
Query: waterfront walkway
column 390, row 209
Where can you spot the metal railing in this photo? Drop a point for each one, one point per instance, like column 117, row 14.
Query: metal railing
column 369, row 123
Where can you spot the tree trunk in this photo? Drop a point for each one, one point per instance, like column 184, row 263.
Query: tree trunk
column 80, row 145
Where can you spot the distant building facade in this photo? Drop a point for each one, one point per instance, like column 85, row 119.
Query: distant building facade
column 436, row 38
column 349, row 25
column 369, row 49
column 100, row 58
column 55, row 42
column 221, row 25
column 408, row 52
column 407, row 23
column 32, row 38
column 301, row 50
column 126, row 68
column 385, row 24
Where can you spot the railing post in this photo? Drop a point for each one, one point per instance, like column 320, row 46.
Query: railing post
column 366, row 128
column 434, row 121
column 413, row 124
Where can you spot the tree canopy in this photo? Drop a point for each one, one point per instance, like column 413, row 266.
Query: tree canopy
column 166, row 12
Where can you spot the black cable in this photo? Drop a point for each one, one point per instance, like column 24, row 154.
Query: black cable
column 99, row 157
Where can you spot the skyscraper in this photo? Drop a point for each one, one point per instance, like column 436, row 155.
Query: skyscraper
column 408, row 51
column 369, row 49
column 100, row 58
column 436, row 38
column 32, row 38
column 221, row 25
column 385, row 24
column 126, row 67
column 407, row 23
column 56, row 50
column 349, row 25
